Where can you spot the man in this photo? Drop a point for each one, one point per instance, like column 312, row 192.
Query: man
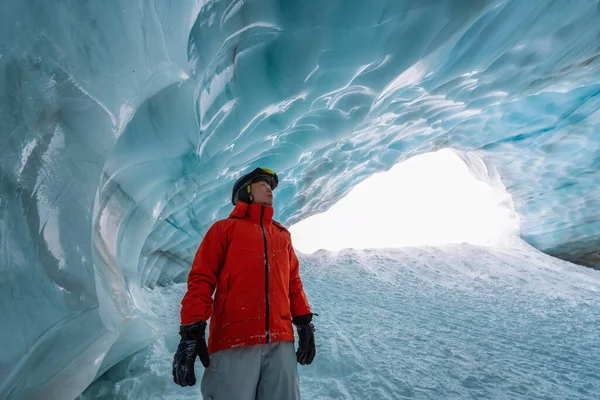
column 250, row 260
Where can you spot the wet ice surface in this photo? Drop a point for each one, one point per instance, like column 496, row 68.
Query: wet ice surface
column 425, row 323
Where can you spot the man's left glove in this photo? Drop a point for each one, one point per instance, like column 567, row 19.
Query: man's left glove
column 306, row 343
column 192, row 344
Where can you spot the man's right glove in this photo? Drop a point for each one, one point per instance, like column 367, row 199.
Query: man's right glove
column 306, row 343
column 192, row 344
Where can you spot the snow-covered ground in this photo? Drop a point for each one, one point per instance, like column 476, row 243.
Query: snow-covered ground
column 449, row 322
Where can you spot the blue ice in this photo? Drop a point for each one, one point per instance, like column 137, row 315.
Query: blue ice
column 124, row 123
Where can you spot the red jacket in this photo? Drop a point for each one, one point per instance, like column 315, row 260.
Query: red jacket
column 250, row 260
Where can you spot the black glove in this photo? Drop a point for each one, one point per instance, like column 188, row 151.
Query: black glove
column 192, row 344
column 306, row 344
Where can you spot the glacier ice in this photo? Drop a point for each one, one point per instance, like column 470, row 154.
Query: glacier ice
column 124, row 123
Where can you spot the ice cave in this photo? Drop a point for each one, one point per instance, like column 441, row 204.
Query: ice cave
column 124, row 123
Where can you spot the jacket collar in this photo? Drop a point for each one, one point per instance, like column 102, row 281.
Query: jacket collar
column 253, row 212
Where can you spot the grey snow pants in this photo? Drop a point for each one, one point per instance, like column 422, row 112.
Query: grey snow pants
column 261, row 372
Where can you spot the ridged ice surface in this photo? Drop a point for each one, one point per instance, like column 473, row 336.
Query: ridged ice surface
column 124, row 123
column 420, row 323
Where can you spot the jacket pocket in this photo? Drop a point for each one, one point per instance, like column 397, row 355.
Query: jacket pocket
column 223, row 290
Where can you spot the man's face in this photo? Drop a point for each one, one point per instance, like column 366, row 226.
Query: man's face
column 262, row 193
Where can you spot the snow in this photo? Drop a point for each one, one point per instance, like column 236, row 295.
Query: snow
column 455, row 321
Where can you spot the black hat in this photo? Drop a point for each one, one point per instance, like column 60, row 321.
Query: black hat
column 241, row 188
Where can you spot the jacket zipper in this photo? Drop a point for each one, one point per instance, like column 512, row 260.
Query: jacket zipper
column 266, row 273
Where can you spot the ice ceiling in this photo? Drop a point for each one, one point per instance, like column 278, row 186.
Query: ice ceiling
column 124, row 123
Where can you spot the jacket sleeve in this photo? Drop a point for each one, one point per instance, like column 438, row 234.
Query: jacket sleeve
column 298, row 302
column 197, row 303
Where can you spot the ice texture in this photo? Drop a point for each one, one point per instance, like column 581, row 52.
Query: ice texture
column 123, row 125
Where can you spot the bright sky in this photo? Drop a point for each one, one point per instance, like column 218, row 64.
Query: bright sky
column 431, row 199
